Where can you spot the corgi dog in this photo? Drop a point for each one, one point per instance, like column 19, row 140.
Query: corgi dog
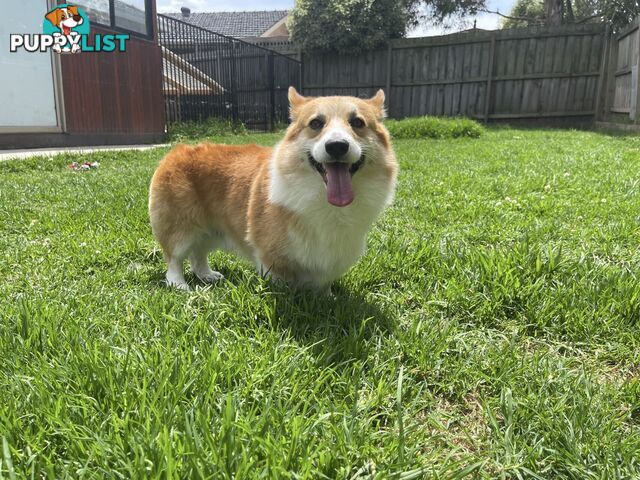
column 300, row 211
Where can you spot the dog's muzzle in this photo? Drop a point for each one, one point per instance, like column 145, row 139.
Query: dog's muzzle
column 323, row 171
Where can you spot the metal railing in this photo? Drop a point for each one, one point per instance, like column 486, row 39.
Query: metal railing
column 207, row 74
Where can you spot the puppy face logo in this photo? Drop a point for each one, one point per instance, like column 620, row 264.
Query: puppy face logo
column 67, row 21
column 65, row 18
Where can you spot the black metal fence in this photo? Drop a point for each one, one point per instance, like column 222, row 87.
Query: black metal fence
column 206, row 74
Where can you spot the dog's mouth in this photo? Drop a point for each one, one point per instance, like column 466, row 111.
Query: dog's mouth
column 337, row 178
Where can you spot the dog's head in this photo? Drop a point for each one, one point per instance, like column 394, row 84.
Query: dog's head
column 339, row 142
column 65, row 18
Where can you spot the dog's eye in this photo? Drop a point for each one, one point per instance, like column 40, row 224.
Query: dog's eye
column 316, row 124
column 357, row 122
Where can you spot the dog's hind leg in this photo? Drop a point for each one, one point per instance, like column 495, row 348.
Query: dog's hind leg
column 200, row 264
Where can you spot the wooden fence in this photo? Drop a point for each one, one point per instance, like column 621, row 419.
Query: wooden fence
column 490, row 75
column 621, row 91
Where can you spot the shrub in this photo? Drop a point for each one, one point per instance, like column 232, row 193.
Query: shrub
column 434, row 127
column 179, row 132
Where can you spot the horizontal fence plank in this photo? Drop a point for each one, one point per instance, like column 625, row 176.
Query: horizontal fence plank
column 624, row 71
column 513, row 116
column 460, row 81
column 401, row 46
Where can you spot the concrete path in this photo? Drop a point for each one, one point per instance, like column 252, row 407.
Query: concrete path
column 50, row 152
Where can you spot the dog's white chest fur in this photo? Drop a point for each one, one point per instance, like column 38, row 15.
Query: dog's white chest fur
column 326, row 240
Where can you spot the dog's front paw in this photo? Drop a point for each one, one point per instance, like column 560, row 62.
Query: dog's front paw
column 75, row 49
column 211, row 277
column 183, row 286
column 57, row 48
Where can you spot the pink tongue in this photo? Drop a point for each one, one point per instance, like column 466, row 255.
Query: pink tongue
column 339, row 190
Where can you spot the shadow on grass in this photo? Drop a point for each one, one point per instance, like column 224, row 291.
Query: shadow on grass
column 339, row 328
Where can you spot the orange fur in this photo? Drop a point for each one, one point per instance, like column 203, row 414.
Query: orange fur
column 219, row 196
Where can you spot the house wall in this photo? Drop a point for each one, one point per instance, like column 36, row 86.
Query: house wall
column 278, row 30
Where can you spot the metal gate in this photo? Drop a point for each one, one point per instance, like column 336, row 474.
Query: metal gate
column 206, row 74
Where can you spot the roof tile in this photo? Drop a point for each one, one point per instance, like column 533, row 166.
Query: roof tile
column 234, row 24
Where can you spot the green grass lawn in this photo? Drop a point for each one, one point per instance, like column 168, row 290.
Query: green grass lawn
column 491, row 331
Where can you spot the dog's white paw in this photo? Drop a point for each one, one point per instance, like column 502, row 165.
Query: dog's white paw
column 57, row 48
column 211, row 277
column 179, row 286
column 75, row 49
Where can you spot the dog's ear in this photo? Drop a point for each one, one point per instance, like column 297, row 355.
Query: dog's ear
column 74, row 10
column 295, row 102
column 377, row 102
column 54, row 17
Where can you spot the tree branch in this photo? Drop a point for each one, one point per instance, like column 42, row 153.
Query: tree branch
column 586, row 19
column 538, row 20
column 509, row 17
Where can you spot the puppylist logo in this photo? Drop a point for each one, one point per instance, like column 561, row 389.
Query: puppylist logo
column 66, row 29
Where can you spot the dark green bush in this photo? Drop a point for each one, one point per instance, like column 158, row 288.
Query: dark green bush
column 434, row 127
column 180, row 132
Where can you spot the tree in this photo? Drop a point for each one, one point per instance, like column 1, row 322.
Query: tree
column 525, row 13
column 356, row 25
column 554, row 11
column 620, row 12
column 558, row 12
column 349, row 25
column 437, row 11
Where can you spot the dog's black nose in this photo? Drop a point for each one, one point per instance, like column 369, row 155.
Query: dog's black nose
column 338, row 149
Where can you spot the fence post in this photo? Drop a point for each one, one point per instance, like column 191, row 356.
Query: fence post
column 233, row 82
column 301, row 74
column 636, row 101
column 603, row 80
column 388, row 83
column 609, row 92
column 272, row 91
column 492, row 57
